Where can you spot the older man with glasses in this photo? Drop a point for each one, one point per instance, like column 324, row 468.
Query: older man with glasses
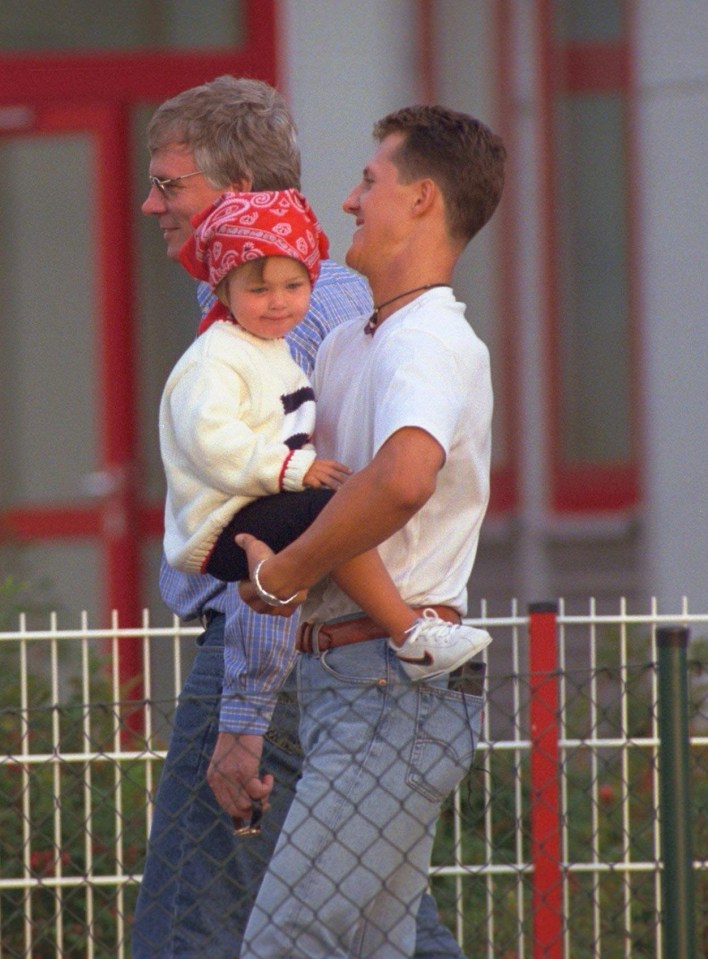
column 200, row 880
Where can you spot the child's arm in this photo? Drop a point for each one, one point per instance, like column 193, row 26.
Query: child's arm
column 225, row 444
column 326, row 473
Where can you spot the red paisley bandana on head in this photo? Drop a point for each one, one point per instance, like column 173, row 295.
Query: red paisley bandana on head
column 240, row 227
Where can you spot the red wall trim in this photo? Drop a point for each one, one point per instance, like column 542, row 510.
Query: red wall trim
column 138, row 76
column 50, row 522
column 128, row 78
column 70, row 522
column 595, row 487
column 426, row 52
column 595, row 68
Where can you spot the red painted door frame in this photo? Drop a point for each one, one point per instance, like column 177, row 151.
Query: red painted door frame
column 94, row 94
column 112, row 520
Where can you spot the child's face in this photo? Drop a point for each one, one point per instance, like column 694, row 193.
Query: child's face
column 268, row 297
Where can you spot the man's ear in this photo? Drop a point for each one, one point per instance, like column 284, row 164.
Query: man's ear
column 426, row 195
column 241, row 186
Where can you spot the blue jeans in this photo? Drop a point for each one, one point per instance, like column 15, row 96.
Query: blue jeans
column 199, row 881
column 381, row 755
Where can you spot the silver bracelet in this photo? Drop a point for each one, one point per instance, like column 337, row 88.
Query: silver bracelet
column 264, row 594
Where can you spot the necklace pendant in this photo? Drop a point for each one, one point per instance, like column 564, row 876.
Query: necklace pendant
column 372, row 324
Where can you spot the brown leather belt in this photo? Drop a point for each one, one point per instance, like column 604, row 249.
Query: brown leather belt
column 318, row 637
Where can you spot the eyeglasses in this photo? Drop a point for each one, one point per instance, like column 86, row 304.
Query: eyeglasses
column 164, row 186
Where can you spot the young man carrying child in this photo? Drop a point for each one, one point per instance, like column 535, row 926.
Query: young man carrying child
column 405, row 399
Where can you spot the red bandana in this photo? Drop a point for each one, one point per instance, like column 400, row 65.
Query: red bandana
column 248, row 226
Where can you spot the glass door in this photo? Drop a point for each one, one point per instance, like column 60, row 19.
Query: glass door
column 67, row 446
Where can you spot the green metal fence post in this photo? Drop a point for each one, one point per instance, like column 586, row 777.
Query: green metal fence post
column 675, row 812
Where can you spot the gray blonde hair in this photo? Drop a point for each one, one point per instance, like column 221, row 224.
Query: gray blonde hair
column 236, row 128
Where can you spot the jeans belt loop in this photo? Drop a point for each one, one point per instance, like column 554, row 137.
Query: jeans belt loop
column 313, row 637
column 306, row 637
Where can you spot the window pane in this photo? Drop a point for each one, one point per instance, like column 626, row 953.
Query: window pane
column 47, row 305
column 588, row 20
column 127, row 25
column 593, row 303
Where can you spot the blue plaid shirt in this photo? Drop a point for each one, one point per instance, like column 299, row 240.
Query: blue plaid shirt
column 259, row 651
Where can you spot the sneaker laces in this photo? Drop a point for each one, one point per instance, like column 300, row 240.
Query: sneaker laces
column 429, row 615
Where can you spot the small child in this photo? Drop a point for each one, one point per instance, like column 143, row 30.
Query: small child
column 237, row 417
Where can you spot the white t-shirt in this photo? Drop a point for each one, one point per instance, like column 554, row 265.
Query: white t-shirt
column 426, row 368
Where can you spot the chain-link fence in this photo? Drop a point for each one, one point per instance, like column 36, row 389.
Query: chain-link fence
column 551, row 846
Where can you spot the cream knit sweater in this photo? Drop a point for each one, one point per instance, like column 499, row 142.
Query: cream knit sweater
column 236, row 421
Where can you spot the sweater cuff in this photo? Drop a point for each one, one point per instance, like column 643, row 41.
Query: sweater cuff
column 297, row 465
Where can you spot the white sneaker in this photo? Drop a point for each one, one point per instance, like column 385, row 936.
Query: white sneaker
column 434, row 647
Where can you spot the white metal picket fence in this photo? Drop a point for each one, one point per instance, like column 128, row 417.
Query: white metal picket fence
column 81, row 751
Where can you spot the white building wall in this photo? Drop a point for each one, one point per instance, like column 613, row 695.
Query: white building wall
column 346, row 63
column 355, row 62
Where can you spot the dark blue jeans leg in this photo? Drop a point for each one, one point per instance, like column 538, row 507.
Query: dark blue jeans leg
column 433, row 939
column 199, row 880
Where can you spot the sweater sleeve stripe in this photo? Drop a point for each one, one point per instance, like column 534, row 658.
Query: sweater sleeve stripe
column 293, row 401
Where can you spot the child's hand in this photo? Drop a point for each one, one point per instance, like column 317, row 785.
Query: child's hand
column 327, row 474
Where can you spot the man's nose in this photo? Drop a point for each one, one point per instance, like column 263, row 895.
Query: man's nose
column 351, row 204
column 154, row 202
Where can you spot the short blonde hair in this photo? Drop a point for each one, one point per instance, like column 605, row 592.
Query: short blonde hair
column 459, row 153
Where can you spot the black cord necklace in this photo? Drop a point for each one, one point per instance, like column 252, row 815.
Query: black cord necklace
column 373, row 321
